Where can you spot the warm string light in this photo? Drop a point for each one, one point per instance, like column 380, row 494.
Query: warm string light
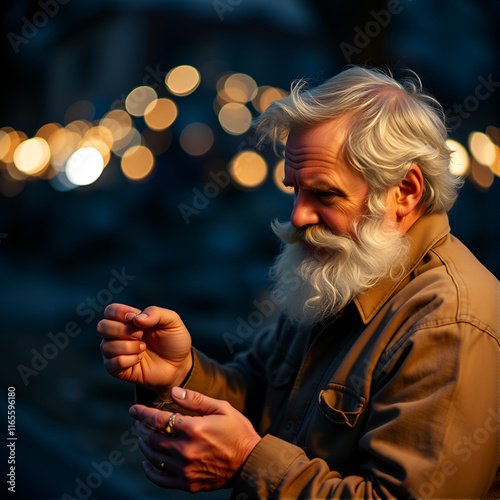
column 76, row 154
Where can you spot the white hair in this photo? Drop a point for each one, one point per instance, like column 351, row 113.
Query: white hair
column 390, row 126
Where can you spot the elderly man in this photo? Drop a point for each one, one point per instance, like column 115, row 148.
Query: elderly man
column 380, row 379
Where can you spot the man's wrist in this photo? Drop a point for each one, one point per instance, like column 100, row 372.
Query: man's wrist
column 180, row 380
column 184, row 374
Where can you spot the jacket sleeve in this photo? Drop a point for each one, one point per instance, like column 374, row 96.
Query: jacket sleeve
column 242, row 382
column 431, row 432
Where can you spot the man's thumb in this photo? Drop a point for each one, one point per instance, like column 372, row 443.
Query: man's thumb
column 194, row 401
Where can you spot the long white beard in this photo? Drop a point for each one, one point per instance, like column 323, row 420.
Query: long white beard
column 312, row 285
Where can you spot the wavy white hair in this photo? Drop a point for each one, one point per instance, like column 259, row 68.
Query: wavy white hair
column 390, row 126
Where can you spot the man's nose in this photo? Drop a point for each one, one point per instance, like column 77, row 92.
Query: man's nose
column 303, row 213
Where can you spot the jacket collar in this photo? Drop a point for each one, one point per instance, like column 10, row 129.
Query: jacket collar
column 423, row 235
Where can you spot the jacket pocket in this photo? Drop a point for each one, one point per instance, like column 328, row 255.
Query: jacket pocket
column 341, row 405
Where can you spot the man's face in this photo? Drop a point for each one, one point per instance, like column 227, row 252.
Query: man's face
column 327, row 190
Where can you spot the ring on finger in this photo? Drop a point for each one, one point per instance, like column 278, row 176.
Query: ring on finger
column 169, row 429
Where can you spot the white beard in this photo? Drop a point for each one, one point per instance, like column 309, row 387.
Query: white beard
column 313, row 285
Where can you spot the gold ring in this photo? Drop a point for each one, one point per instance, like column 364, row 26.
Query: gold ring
column 161, row 466
column 169, row 429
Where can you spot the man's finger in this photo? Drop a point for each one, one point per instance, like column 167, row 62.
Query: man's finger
column 163, row 479
column 120, row 363
column 117, row 312
column 110, row 349
column 171, row 465
column 114, row 330
column 156, row 419
column 199, row 403
column 158, row 317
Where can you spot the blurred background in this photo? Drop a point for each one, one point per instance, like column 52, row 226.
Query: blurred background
column 128, row 174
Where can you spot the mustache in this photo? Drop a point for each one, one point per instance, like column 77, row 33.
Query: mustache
column 319, row 236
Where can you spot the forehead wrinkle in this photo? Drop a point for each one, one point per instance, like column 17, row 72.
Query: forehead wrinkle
column 316, row 153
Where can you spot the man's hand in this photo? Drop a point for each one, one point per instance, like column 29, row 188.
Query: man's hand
column 204, row 452
column 151, row 348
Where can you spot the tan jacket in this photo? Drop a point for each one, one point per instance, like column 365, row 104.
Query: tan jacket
column 395, row 398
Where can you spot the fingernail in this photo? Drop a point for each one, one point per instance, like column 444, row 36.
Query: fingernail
column 132, row 411
column 142, row 347
column 129, row 316
column 142, row 316
column 139, row 356
column 178, row 392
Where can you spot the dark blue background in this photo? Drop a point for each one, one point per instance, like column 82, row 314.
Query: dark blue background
column 60, row 249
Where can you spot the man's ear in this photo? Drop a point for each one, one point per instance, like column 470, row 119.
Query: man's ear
column 409, row 191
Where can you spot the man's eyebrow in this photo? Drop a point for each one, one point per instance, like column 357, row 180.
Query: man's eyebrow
column 315, row 186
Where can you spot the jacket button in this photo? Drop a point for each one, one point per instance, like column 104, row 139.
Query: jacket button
column 288, row 427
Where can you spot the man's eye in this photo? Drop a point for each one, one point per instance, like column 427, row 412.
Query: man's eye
column 327, row 194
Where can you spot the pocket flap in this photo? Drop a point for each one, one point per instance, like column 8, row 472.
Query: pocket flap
column 341, row 405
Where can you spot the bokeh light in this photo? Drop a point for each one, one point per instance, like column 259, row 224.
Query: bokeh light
column 118, row 122
column 61, row 183
column 240, row 87
column 62, row 143
column 481, row 176
column 32, row 156
column 47, row 130
column 137, row 163
column 10, row 143
column 84, row 166
column 4, row 141
column 80, row 110
column 494, row 134
column 482, row 149
column 459, row 161
column 222, row 81
column 265, row 96
column 100, row 145
column 133, row 138
column 279, row 175
column 196, row 139
column 235, row 118
column 160, row 114
column 14, row 172
column 78, row 127
column 101, row 133
column 248, row 169
column 139, row 99
column 182, row 80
